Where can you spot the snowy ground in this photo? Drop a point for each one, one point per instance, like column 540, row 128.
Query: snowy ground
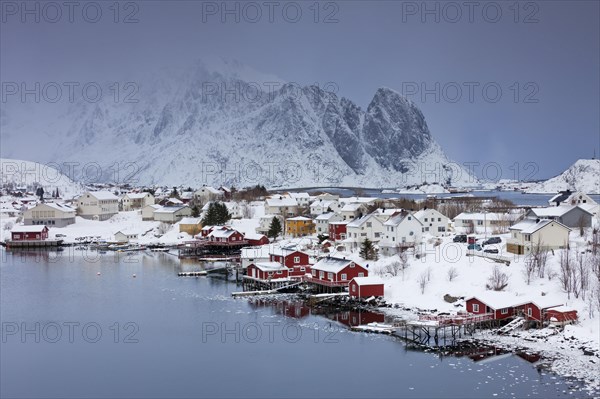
column 472, row 274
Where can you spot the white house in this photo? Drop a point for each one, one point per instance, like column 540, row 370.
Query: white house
column 550, row 234
column 264, row 222
column 303, row 199
column 172, row 214
column 352, row 211
column 402, row 230
column 50, row 214
column 281, row 205
column 234, row 208
column 322, row 222
column 148, row 211
column 569, row 215
column 434, row 222
column 488, row 222
column 571, row 198
column 207, row 193
column 131, row 201
column 125, row 236
column 97, row 205
column 370, row 226
column 320, row 206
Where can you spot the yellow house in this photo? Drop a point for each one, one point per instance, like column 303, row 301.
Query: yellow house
column 299, row 226
column 192, row 226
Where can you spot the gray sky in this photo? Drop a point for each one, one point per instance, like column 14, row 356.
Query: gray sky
column 544, row 57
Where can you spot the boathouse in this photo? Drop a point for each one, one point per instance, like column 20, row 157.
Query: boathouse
column 535, row 310
column 268, row 271
column 29, row 233
column 561, row 315
column 366, row 287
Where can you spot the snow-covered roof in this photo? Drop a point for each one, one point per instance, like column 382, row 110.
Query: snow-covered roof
column 283, row 251
column 396, row 220
column 222, row 233
column 300, row 218
column 542, row 302
column 270, row 266
column 299, row 195
column 103, row 195
column 325, row 216
column 555, row 211
column 190, row 221
column 211, row 190
column 352, row 207
column 170, row 209
column 359, row 221
column 58, row 206
column 331, row 264
column 500, row 299
column 371, row 280
column 530, row 226
column 174, row 200
column 36, row 228
column 136, row 195
column 563, row 308
column 281, row 201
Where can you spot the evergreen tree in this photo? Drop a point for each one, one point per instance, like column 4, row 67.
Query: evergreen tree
column 368, row 251
column 217, row 214
column 195, row 211
column 274, row 228
column 175, row 193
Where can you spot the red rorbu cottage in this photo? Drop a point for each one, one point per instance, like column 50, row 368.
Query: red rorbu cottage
column 225, row 235
column 535, row 310
column 501, row 305
column 29, row 233
column 267, row 271
column 256, row 240
column 334, row 272
column 296, row 261
column 365, row 287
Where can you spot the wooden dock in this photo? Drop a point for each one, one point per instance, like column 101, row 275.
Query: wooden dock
column 443, row 328
column 49, row 243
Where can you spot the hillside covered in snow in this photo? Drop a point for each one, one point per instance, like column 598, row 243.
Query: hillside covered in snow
column 27, row 175
column 219, row 122
column 583, row 175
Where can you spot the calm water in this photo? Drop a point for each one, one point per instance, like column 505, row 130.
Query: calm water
column 187, row 337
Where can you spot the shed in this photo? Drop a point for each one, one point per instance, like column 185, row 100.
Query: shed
column 365, row 287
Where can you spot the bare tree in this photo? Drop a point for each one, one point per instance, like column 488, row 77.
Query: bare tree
column 583, row 273
column 565, row 274
column 452, row 273
column 428, row 273
column 422, row 281
column 393, row 268
column 529, row 269
column 498, row 280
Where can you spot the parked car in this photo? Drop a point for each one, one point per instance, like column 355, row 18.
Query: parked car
column 59, row 235
column 471, row 240
column 492, row 240
column 491, row 250
column 475, row 247
column 460, row 238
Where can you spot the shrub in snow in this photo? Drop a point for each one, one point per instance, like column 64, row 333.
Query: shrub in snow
column 498, row 280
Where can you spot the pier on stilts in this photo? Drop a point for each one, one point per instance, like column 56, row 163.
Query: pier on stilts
column 444, row 328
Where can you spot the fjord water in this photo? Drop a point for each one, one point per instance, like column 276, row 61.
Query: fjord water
column 159, row 335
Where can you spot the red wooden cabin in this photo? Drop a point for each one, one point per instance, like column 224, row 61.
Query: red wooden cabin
column 337, row 230
column 29, row 233
column 267, row 270
column 365, row 287
column 296, row 261
column 336, row 272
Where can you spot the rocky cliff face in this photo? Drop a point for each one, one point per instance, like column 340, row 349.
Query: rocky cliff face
column 223, row 124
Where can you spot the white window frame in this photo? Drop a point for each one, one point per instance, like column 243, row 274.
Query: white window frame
column 475, row 308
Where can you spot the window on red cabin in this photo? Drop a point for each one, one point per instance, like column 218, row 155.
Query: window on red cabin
column 296, row 259
column 529, row 312
column 475, row 308
column 344, row 277
column 361, row 274
column 504, row 311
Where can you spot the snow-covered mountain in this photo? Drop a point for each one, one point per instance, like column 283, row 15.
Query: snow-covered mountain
column 583, row 175
column 30, row 175
column 220, row 122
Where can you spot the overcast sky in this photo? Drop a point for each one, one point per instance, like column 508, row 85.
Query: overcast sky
column 450, row 58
